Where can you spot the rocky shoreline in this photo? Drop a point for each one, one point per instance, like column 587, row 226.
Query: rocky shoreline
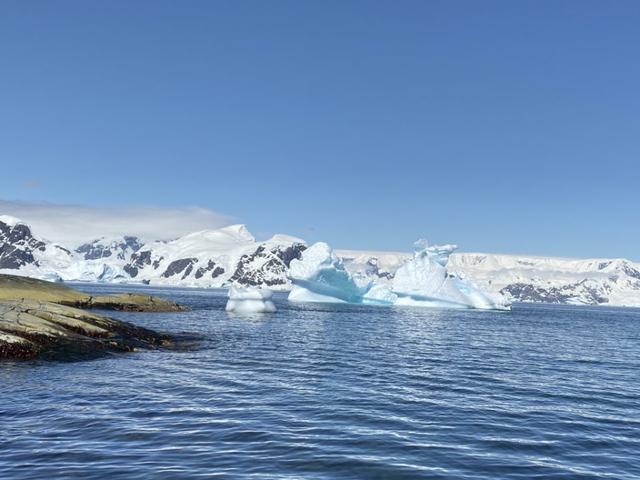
column 13, row 287
column 43, row 320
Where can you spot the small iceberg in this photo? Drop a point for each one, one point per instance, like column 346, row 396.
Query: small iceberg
column 250, row 300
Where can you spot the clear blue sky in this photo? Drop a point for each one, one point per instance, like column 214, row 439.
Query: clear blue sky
column 509, row 126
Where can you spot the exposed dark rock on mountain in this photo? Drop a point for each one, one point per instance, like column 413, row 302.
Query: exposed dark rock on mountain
column 523, row 292
column 266, row 266
column 138, row 261
column 17, row 246
column 179, row 266
column 224, row 257
column 121, row 249
column 215, row 270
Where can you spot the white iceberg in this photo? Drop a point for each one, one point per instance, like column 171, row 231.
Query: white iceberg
column 320, row 276
column 379, row 294
column 250, row 300
column 423, row 281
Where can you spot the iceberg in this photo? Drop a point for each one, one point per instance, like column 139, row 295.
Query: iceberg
column 379, row 294
column 320, row 276
column 250, row 300
column 422, row 281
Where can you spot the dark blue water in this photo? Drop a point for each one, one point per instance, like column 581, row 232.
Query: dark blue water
column 339, row 392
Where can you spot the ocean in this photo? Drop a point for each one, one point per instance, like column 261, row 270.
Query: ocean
column 338, row 392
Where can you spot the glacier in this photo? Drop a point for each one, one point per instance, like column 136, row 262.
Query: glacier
column 423, row 281
column 250, row 300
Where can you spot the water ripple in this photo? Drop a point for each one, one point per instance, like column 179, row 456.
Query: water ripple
column 346, row 392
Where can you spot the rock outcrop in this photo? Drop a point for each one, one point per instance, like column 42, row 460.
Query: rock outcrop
column 14, row 288
column 48, row 331
column 44, row 320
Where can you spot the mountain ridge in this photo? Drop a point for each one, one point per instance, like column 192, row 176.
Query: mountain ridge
column 232, row 256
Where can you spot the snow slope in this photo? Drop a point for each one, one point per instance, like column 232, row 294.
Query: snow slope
column 210, row 258
column 216, row 258
column 553, row 279
column 21, row 251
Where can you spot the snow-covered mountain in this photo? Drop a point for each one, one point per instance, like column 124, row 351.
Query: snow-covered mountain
column 524, row 278
column 21, row 251
column 232, row 256
column 210, row 258
column 227, row 256
column 554, row 280
column 120, row 248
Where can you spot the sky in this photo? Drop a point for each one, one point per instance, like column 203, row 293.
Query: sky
column 501, row 126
